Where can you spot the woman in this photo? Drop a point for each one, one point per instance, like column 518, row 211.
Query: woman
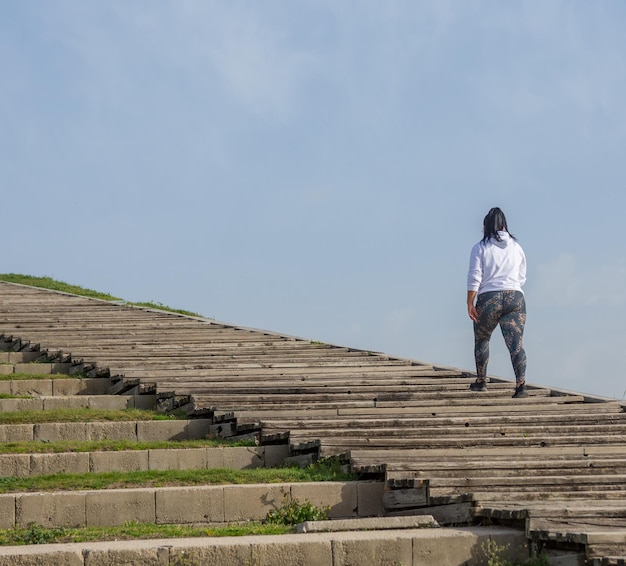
column 496, row 274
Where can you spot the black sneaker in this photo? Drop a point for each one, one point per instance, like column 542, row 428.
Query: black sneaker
column 478, row 386
column 520, row 391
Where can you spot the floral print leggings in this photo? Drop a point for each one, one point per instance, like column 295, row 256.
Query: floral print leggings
column 507, row 308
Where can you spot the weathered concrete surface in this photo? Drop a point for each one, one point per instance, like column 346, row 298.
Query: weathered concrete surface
column 142, row 431
column 43, row 555
column 66, row 462
column 185, row 505
column 54, row 432
column 7, row 511
column 112, row 431
column 191, row 504
column 54, row 510
column 119, row 461
column 114, row 507
column 178, row 459
column 42, row 368
column 15, row 465
column 14, row 405
column 81, row 386
column 370, row 498
column 344, row 496
column 408, row 547
column 18, row 357
column 16, row 433
column 368, row 524
column 242, row 459
column 253, row 502
column 31, row 387
column 237, row 458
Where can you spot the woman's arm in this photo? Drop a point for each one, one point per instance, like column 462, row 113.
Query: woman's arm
column 471, row 309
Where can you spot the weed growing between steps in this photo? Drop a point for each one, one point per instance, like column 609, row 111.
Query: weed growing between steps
column 495, row 555
column 293, row 513
column 36, row 534
column 169, row 478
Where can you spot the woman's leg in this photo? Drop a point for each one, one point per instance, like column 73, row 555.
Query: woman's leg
column 512, row 325
column 489, row 308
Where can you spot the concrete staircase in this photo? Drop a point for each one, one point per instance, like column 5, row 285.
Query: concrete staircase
column 551, row 466
column 25, row 376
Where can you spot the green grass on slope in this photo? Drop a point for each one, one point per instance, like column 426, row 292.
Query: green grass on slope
column 38, row 376
column 54, row 285
column 49, row 283
column 35, row 534
column 61, row 446
column 169, row 478
column 81, row 415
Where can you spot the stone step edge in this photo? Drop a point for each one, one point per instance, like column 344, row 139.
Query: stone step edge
column 59, row 386
column 23, row 352
column 174, row 429
column 39, row 368
column 368, row 524
column 412, row 547
column 231, row 457
column 101, row 402
column 185, row 504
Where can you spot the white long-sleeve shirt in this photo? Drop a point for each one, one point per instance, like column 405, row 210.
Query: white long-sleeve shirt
column 497, row 265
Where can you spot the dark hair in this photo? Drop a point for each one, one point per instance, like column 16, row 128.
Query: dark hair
column 494, row 221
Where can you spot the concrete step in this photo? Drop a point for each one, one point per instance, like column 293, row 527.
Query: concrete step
column 35, row 368
column 536, row 513
column 502, row 468
column 401, row 411
column 416, row 439
column 184, row 505
column 444, row 496
column 57, row 386
column 104, row 402
column 472, row 460
column 276, row 393
column 12, row 358
column 210, row 457
column 410, row 547
column 561, row 482
column 139, row 431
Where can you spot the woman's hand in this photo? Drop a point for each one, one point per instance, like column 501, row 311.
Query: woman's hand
column 471, row 309
column 473, row 313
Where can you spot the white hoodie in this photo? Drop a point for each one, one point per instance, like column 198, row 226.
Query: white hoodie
column 497, row 266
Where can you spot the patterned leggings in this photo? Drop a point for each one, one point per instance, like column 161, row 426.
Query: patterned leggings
column 507, row 308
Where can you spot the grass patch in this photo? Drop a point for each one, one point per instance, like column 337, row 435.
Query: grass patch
column 293, row 512
column 168, row 478
column 162, row 307
column 54, row 285
column 23, row 376
column 81, row 415
column 38, row 447
column 35, row 534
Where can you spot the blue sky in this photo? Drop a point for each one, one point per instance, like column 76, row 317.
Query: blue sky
column 322, row 168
